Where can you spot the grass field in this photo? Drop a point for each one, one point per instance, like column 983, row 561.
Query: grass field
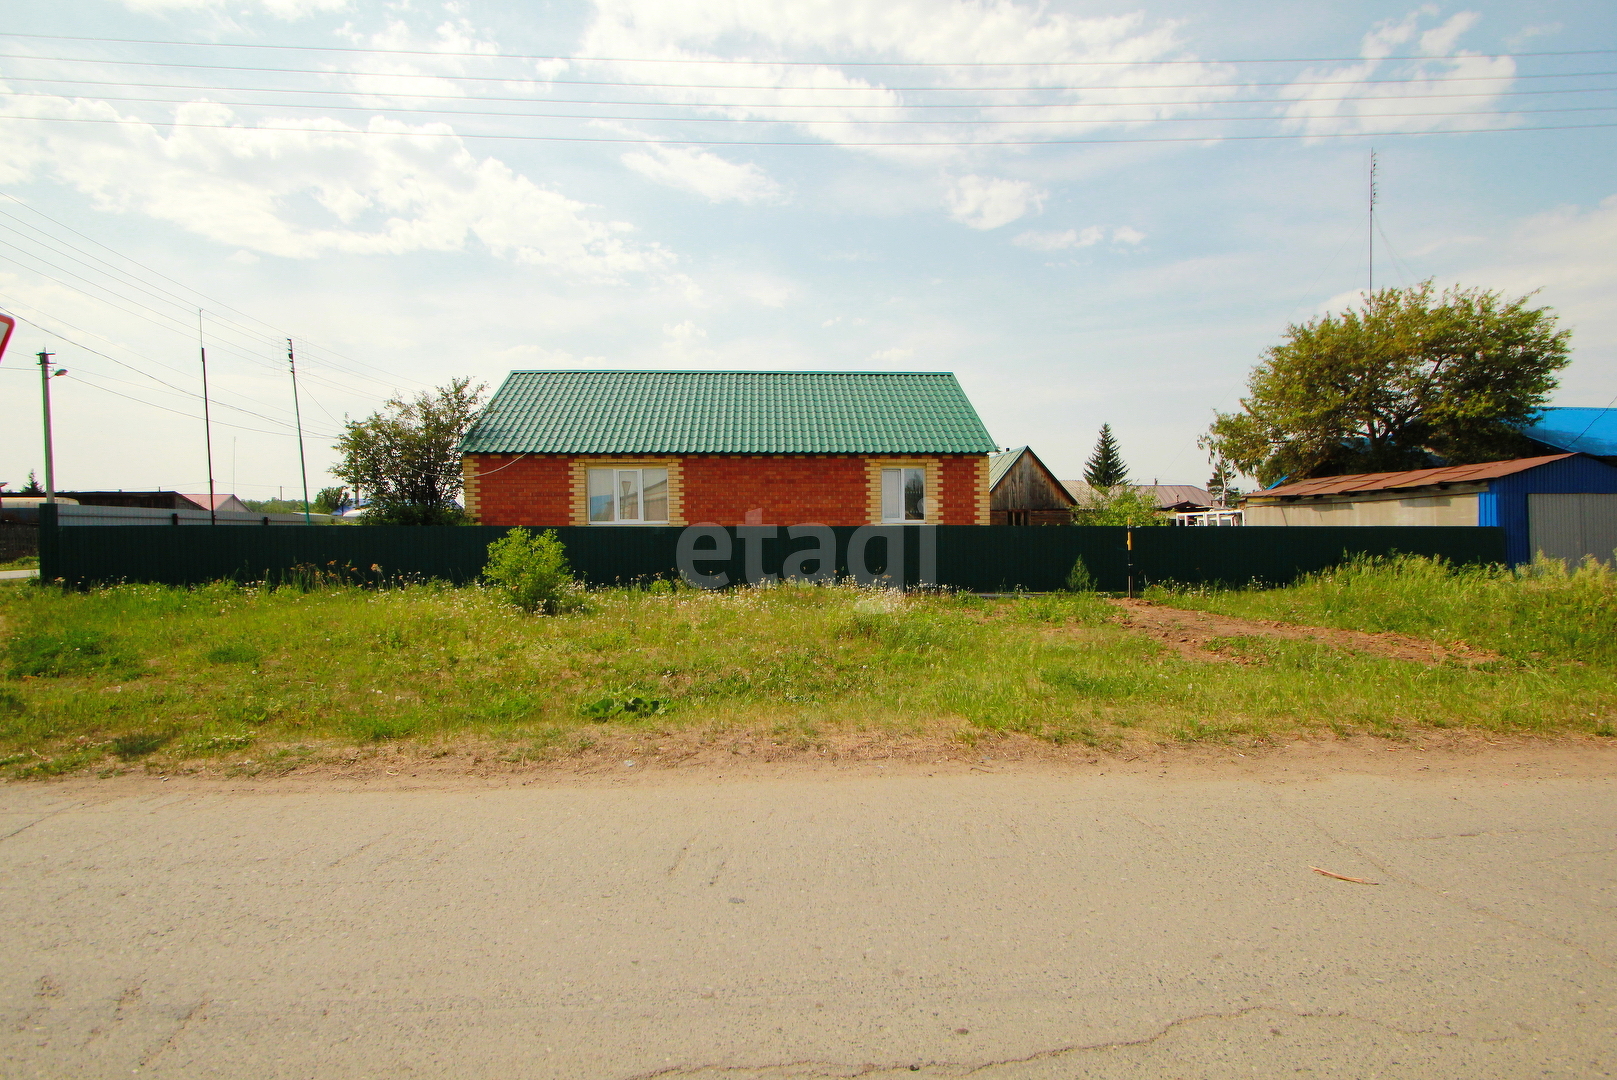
column 155, row 677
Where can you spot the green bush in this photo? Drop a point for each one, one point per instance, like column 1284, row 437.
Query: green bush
column 1079, row 579
column 531, row 569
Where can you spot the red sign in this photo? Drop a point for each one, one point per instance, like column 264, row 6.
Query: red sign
column 7, row 325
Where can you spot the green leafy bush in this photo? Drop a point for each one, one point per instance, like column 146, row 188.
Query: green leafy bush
column 531, row 569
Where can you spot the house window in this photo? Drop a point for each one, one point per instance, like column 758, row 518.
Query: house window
column 903, row 494
column 628, row 496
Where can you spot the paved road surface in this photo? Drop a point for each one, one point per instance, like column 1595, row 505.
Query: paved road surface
column 1031, row 925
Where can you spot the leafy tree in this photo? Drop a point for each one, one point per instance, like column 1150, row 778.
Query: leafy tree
column 1105, row 468
column 1221, row 485
column 1408, row 379
column 407, row 457
column 1119, row 505
column 332, row 500
column 531, row 569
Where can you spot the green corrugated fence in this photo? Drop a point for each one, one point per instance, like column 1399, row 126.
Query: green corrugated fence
column 982, row 558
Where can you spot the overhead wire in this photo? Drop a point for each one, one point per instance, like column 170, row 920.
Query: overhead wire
column 928, row 144
column 530, row 99
column 843, row 121
column 546, row 80
column 216, row 305
column 481, row 55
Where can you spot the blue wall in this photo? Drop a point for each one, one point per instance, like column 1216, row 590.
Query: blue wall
column 1505, row 501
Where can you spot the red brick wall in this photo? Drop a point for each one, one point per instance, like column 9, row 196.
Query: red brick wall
column 524, row 491
column 964, row 483
column 789, row 490
column 830, row 490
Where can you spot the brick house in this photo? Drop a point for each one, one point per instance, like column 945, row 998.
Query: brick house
column 727, row 447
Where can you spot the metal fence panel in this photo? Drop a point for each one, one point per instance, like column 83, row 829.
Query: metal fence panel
column 981, row 558
column 1572, row 526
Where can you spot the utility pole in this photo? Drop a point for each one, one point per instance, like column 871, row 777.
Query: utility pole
column 207, row 425
column 297, row 414
column 45, row 396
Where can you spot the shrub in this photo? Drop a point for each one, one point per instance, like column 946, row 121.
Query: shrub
column 531, row 569
column 1079, row 579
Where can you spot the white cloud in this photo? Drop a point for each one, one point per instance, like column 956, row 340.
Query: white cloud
column 891, row 356
column 707, row 174
column 280, row 9
column 300, row 189
column 1060, row 241
column 986, row 202
column 701, row 38
column 1076, row 238
column 1342, row 101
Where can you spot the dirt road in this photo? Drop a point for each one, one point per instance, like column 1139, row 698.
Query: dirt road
column 1036, row 923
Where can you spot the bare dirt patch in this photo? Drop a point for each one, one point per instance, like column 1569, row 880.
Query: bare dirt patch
column 1193, row 633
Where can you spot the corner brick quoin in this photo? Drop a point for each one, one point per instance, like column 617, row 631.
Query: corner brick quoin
column 544, row 490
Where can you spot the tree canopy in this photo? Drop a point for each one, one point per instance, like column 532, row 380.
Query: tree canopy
column 1408, row 379
column 1105, row 468
column 406, row 458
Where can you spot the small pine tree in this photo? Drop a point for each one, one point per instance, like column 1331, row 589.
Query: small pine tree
column 33, row 487
column 1105, row 469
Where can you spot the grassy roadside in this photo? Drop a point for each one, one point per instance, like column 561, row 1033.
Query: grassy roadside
column 266, row 679
column 1541, row 614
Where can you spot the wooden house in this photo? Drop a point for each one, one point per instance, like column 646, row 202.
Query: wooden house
column 1023, row 491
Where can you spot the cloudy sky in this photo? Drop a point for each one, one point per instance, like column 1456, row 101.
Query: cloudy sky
column 1091, row 212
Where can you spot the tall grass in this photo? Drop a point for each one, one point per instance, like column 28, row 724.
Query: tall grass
column 151, row 676
column 1544, row 610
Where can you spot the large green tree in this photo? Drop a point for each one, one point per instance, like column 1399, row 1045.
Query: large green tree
column 405, row 459
column 1407, row 379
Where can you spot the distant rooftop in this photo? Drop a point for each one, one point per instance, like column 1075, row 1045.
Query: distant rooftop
column 1410, row 478
column 1585, row 431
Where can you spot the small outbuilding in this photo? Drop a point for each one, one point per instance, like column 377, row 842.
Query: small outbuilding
column 1563, row 505
column 1023, row 491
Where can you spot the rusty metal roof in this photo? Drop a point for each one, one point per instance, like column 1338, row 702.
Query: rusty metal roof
column 1413, row 478
column 1167, row 495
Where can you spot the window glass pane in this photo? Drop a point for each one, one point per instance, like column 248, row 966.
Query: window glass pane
column 628, row 494
column 655, row 485
column 914, row 494
column 600, row 491
column 892, row 494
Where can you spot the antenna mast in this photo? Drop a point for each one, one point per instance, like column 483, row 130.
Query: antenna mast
column 297, row 413
column 207, row 425
column 1372, row 224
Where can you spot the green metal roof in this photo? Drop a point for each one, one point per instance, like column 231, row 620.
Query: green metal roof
column 728, row 412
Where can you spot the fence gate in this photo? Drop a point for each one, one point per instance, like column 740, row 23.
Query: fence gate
column 1572, row 526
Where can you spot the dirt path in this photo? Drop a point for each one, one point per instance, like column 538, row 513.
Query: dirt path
column 1192, row 633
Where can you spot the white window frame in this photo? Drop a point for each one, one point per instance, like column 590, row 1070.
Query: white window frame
column 903, row 474
column 617, row 473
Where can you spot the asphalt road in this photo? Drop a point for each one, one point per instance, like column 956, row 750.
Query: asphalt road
column 1030, row 925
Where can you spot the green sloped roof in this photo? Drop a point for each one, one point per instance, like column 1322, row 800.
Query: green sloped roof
column 728, row 412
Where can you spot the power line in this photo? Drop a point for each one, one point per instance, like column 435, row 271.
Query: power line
column 787, row 63
column 192, row 416
column 213, row 303
column 755, row 86
column 812, row 120
column 179, row 390
column 821, row 144
column 531, row 100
